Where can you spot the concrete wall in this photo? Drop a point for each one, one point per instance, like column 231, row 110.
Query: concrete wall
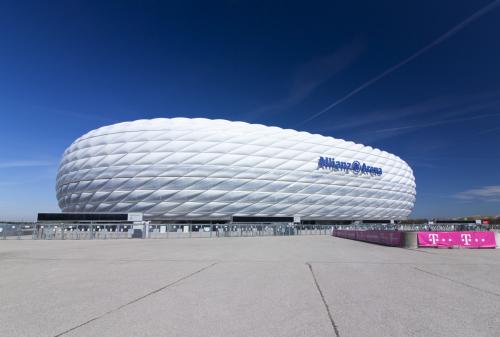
column 410, row 240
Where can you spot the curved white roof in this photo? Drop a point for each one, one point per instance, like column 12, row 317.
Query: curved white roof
column 182, row 167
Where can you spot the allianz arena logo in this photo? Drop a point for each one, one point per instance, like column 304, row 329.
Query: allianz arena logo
column 355, row 167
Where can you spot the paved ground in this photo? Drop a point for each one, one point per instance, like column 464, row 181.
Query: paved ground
column 271, row 286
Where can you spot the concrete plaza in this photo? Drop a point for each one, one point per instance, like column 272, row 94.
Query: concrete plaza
column 268, row 286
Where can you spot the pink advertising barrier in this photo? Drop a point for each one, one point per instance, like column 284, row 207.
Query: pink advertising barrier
column 388, row 238
column 462, row 239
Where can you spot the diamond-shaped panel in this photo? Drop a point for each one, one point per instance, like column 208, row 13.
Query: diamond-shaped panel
column 183, row 167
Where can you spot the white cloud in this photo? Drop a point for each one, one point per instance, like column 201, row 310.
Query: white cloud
column 485, row 193
column 25, row 163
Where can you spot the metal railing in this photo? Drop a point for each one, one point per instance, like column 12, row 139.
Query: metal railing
column 446, row 227
column 16, row 231
column 112, row 231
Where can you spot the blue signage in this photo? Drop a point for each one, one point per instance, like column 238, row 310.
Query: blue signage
column 356, row 167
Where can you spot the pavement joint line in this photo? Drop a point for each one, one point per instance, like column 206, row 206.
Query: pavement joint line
column 243, row 261
column 406, row 263
column 137, row 299
column 335, row 329
column 420, row 251
column 103, row 260
column 458, row 282
column 146, row 260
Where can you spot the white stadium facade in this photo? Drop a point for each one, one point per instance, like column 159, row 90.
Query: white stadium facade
column 181, row 169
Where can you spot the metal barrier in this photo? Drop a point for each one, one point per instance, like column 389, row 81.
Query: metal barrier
column 441, row 227
column 15, row 231
column 112, row 231
column 81, row 232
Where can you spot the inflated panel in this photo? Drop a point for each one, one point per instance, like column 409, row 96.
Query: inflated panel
column 186, row 168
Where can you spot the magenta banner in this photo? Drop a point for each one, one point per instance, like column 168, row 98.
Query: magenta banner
column 388, row 238
column 462, row 239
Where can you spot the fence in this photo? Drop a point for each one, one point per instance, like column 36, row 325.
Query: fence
column 16, row 231
column 442, row 227
column 61, row 231
column 171, row 231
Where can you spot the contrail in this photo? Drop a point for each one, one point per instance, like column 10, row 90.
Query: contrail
column 440, row 122
column 431, row 45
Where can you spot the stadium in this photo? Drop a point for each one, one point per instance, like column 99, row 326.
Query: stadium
column 181, row 169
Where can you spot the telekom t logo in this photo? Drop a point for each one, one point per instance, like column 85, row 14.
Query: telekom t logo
column 433, row 238
column 466, row 238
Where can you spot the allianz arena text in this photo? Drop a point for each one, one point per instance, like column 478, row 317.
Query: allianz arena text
column 183, row 168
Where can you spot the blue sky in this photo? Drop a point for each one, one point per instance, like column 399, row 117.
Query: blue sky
column 420, row 79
